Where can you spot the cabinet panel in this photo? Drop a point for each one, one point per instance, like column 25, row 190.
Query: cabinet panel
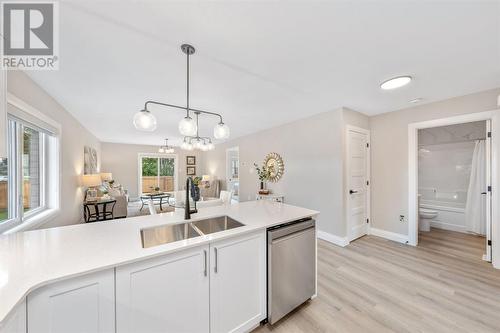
column 16, row 322
column 165, row 294
column 238, row 283
column 82, row 304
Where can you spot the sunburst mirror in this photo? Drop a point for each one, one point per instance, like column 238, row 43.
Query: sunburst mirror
column 274, row 163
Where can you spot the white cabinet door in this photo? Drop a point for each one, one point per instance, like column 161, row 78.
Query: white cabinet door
column 81, row 304
column 238, row 283
column 165, row 294
column 16, row 321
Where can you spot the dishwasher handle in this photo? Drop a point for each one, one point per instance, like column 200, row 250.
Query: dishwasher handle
column 290, row 228
column 289, row 236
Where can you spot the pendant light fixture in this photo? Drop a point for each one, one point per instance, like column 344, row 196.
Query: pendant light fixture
column 144, row 120
column 166, row 149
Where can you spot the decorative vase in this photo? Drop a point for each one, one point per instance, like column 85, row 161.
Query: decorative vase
column 196, row 194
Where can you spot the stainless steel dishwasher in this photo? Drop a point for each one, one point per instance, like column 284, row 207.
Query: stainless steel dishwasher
column 291, row 267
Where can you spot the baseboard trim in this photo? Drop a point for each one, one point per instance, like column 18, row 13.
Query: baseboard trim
column 393, row 236
column 340, row 241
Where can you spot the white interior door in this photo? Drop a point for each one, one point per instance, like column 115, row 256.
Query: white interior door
column 358, row 175
column 487, row 256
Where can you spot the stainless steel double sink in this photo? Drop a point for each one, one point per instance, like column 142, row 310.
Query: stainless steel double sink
column 164, row 234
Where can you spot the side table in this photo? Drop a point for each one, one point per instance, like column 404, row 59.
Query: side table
column 98, row 210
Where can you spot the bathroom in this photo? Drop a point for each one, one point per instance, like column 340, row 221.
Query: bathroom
column 452, row 179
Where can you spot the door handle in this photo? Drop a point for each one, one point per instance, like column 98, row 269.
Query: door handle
column 352, row 192
column 216, row 254
column 205, row 259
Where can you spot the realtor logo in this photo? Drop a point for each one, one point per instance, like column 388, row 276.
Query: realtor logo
column 30, row 35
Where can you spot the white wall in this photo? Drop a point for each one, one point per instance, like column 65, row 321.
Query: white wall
column 389, row 151
column 122, row 160
column 73, row 138
column 312, row 150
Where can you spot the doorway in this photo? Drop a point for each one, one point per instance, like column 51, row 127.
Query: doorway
column 357, row 181
column 233, row 172
column 490, row 119
column 453, row 177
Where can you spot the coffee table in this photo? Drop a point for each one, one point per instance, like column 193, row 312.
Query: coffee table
column 155, row 198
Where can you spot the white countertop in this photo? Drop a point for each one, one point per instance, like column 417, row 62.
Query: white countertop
column 32, row 259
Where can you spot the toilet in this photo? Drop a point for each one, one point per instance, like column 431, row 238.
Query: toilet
column 424, row 218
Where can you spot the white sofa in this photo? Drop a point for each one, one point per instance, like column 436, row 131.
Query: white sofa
column 224, row 199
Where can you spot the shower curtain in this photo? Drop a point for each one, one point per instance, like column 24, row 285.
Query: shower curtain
column 475, row 207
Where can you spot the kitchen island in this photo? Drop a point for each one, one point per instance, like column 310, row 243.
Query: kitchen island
column 100, row 276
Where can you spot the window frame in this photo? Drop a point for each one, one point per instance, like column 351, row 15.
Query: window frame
column 50, row 164
column 140, row 156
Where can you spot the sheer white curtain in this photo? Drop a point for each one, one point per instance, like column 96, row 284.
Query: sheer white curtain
column 475, row 208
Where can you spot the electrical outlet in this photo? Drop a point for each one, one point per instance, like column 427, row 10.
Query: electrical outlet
column 401, row 218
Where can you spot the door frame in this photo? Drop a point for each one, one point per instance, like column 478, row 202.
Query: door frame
column 346, row 177
column 228, row 169
column 493, row 116
column 156, row 155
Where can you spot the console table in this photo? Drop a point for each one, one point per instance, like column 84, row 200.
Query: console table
column 100, row 210
column 271, row 197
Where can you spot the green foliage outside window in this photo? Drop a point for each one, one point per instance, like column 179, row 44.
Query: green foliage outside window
column 150, row 166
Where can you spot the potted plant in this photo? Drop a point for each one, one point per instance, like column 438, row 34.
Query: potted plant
column 264, row 173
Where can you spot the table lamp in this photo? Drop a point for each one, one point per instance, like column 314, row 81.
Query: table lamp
column 91, row 182
column 106, row 176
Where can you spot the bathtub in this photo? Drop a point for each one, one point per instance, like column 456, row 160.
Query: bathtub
column 450, row 205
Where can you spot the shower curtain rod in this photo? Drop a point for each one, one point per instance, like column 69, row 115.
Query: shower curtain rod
column 447, row 143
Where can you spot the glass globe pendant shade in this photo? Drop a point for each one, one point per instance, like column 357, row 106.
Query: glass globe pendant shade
column 186, row 146
column 221, row 131
column 187, row 126
column 169, row 150
column 197, row 144
column 210, row 146
column 204, row 147
column 161, row 150
column 145, row 121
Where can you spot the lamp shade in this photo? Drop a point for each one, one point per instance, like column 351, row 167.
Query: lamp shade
column 187, row 126
column 206, row 178
column 145, row 121
column 91, row 180
column 106, row 176
column 221, row 131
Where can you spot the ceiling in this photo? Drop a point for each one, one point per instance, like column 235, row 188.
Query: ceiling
column 265, row 63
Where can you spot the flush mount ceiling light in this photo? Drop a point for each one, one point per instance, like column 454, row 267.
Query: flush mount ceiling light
column 395, row 82
column 144, row 120
column 166, row 149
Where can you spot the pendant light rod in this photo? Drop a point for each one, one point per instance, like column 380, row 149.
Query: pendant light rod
column 187, row 79
column 183, row 108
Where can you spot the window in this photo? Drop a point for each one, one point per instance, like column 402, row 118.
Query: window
column 28, row 181
column 157, row 172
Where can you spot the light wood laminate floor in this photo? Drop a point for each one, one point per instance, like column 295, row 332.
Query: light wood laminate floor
column 376, row 285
